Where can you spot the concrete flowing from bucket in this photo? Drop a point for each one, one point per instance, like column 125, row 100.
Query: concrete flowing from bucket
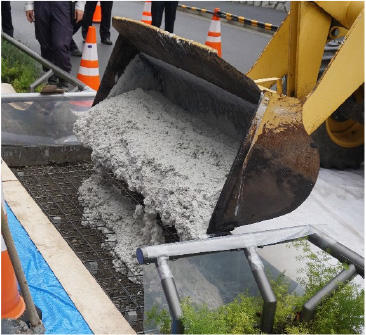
column 175, row 160
column 127, row 226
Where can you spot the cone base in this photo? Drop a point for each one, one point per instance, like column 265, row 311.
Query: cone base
column 16, row 311
column 92, row 82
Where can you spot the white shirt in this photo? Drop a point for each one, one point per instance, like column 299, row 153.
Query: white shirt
column 29, row 5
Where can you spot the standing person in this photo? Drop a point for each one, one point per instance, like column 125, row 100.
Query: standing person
column 53, row 27
column 105, row 25
column 6, row 22
column 157, row 8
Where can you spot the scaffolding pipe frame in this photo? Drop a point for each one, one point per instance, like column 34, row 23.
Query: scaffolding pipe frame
column 269, row 298
column 160, row 254
column 171, row 294
column 344, row 277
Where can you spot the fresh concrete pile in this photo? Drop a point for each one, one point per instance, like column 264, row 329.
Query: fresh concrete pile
column 172, row 158
column 126, row 225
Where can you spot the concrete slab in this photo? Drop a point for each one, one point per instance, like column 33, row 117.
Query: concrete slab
column 89, row 298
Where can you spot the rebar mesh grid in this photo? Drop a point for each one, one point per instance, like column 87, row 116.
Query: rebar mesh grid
column 55, row 189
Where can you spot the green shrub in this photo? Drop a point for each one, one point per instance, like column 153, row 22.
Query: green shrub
column 341, row 313
column 17, row 68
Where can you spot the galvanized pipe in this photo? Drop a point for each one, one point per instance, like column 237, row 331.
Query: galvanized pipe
column 171, row 294
column 60, row 73
column 148, row 254
column 40, row 80
column 67, row 96
column 339, row 251
column 310, row 306
column 269, row 299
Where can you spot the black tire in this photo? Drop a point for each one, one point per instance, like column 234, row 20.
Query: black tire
column 333, row 156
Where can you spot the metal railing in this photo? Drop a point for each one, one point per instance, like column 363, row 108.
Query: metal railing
column 161, row 254
column 234, row 18
column 55, row 69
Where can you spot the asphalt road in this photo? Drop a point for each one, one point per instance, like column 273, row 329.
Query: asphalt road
column 261, row 14
column 241, row 46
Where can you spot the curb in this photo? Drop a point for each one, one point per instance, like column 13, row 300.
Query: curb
column 231, row 18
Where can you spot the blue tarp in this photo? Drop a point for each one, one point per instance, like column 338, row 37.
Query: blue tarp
column 59, row 314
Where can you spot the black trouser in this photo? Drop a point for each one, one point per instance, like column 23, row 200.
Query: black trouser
column 105, row 24
column 54, row 31
column 6, row 22
column 157, row 8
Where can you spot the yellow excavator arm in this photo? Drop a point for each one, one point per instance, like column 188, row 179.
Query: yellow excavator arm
column 296, row 51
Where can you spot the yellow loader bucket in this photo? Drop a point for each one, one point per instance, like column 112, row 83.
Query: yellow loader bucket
column 276, row 164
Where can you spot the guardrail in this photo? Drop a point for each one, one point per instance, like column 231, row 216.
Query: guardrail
column 269, row 27
column 55, row 69
column 269, row 4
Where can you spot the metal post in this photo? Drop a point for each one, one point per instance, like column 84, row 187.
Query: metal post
column 40, row 80
column 310, row 306
column 339, row 251
column 31, row 309
column 171, row 294
column 60, row 73
column 269, row 299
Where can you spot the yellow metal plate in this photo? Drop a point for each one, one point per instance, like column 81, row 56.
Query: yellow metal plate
column 343, row 76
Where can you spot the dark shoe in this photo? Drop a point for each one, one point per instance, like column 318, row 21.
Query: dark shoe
column 106, row 41
column 63, row 84
column 76, row 52
column 53, row 80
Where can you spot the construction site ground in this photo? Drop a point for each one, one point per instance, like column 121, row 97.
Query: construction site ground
column 335, row 206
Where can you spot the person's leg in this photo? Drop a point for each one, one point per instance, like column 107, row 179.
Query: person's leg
column 157, row 8
column 61, row 30
column 105, row 25
column 42, row 29
column 88, row 17
column 170, row 12
column 6, row 22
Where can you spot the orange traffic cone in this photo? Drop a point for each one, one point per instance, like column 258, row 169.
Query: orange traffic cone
column 146, row 14
column 12, row 304
column 97, row 16
column 214, row 33
column 89, row 66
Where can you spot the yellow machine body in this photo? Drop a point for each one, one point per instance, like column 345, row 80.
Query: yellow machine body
column 296, row 51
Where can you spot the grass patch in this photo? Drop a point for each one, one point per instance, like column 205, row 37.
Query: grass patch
column 341, row 313
column 17, row 68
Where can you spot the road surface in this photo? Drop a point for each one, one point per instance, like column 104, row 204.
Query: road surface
column 240, row 46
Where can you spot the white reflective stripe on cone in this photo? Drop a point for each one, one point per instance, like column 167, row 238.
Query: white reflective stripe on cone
column 3, row 245
column 213, row 39
column 146, row 18
column 215, row 26
column 90, row 52
column 89, row 71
